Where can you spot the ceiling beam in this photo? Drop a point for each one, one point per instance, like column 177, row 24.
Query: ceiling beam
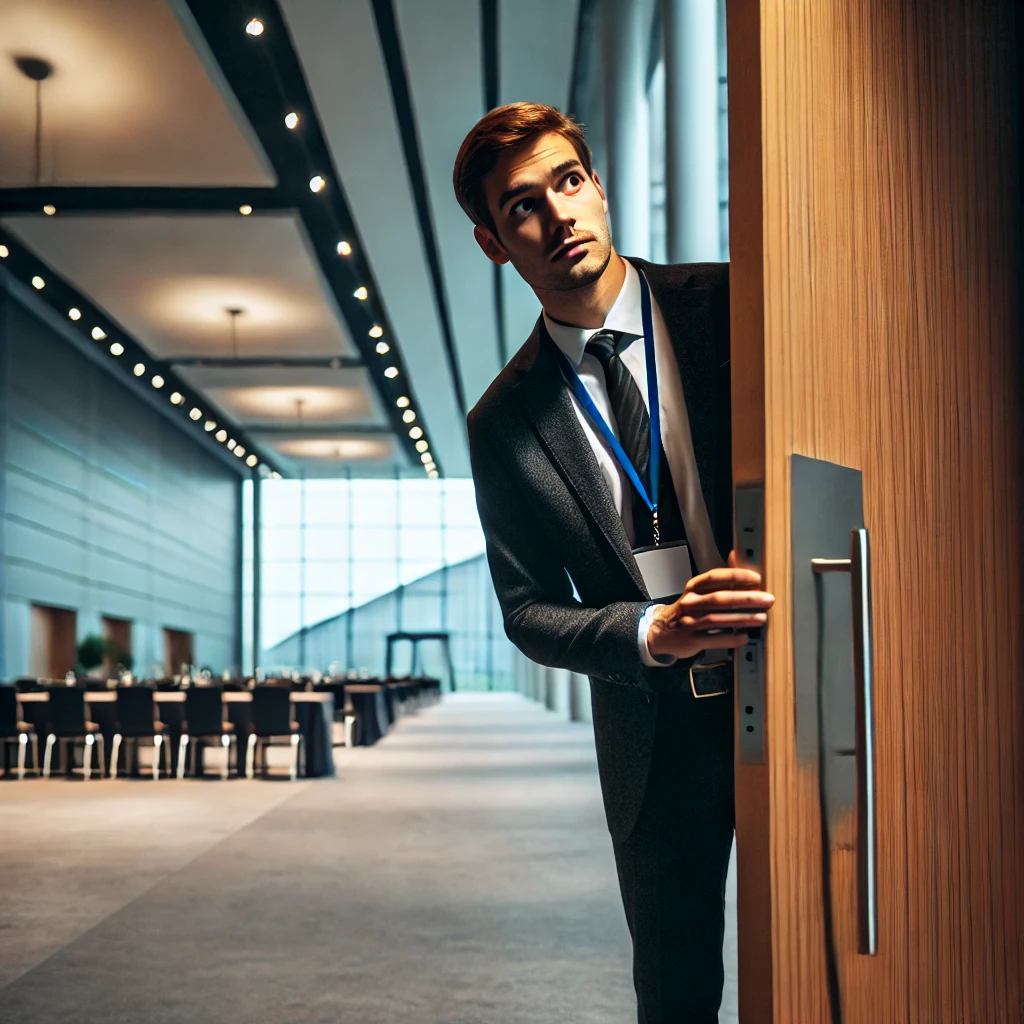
column 311, row 430
column 398, row 78
column 144, row 199
column 270, row 362
column 268, row 81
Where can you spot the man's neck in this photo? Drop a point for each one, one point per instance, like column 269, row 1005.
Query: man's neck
column 587, row 307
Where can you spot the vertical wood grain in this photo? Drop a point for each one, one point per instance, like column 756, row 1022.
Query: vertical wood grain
column 889, row 251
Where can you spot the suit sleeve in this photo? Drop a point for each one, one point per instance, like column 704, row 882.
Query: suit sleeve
column 541, row 616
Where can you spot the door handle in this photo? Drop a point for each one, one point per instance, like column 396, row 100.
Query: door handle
column 858, row 565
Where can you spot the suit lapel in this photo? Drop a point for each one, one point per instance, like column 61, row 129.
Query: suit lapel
column 691, row 315
column 544, row 398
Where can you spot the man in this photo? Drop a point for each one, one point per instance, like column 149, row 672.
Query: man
column 564, row 465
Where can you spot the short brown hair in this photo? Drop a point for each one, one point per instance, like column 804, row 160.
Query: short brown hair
column 501, row 129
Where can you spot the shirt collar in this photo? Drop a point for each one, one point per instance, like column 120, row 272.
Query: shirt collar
column 624, row 316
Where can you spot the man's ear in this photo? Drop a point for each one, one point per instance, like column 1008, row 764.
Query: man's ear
column 600, row 190
column 493, row 249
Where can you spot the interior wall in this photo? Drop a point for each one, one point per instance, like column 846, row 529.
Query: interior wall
column 107, row 508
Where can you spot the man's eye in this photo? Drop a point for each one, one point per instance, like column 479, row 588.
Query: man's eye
column 574, row 182
column 523, row 206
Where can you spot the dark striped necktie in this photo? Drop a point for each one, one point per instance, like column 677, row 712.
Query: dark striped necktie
column 630, row 412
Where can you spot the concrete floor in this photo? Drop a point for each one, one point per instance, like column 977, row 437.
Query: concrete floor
column 459, row 873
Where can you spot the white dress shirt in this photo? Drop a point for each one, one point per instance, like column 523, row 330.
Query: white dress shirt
column 625, row 316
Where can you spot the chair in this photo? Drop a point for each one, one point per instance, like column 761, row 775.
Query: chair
column 66, row 723
column 13, row 730
column 136, row 720
column 272, row 720
column 204, row 723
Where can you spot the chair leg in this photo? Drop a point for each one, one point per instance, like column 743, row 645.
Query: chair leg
column 225, row 742
column 47, row 757
column 295, row 755
column 158, row 742
column 167, row 755
column 182, row 754
column 22, row 747
column 115, row 747
column 350, row 721
column 250, row 754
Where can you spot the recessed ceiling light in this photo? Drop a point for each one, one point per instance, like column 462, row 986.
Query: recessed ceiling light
column 4, row 252
column 49, row 209
column 426, row 457
column 344, row 249
column 245, row 209
column 383, row 348
column 177, row 398
column 195, row 414
column 422, row 446
column 74, row 314
column 221, row 435
column 116, row 348
column 232, row 444
column 416, row 433
column 402, row 402
column 432, row 473
column 255, row 27
column 391, row 372
column 376, row 331
column 210, row 425
column 38, row 283
column 361, row 293
column 157, row 381
column 408, row 415
column 139, row 369
column 98, row 334
column 291, row 120
column 275, row 475
column 251, row 461
column 316, row 183
column 239, row 450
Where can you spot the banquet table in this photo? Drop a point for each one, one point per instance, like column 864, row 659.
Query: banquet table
column 370, row 704
column 313, row 711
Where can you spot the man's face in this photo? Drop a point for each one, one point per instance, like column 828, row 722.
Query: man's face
column 550, row 216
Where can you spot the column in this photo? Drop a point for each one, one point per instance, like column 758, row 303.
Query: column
column 691, row 130
column 257, row 555
column 625, row 39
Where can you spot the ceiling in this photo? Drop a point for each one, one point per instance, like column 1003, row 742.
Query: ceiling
column 163, row 121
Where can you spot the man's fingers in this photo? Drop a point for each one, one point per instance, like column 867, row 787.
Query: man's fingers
column 723, row 579
column 721, row 620
column 726, row 600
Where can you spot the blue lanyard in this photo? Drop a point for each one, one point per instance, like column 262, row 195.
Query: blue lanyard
column 578, row 388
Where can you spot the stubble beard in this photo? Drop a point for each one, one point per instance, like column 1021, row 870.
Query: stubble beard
column 556, row 277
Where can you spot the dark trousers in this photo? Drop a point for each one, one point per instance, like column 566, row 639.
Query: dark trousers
column 672, row 867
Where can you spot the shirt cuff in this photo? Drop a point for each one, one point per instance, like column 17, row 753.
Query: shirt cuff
column 648, row 659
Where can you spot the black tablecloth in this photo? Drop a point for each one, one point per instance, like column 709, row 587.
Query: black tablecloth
column 371, row 712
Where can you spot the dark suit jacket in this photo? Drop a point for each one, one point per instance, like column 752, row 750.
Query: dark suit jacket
column 548, row 515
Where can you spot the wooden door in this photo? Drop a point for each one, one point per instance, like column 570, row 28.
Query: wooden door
column 874, row 235
column 54, row 644
column 177, row 650
column 120, row 632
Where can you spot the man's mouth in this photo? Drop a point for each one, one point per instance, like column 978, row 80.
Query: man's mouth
column 571, row 248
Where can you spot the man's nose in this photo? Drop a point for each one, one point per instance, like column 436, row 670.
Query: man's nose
column 561, row 214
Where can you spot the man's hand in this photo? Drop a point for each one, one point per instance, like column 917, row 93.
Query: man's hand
column 713, row 607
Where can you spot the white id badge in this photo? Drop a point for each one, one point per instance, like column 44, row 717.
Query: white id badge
column 666, row 569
